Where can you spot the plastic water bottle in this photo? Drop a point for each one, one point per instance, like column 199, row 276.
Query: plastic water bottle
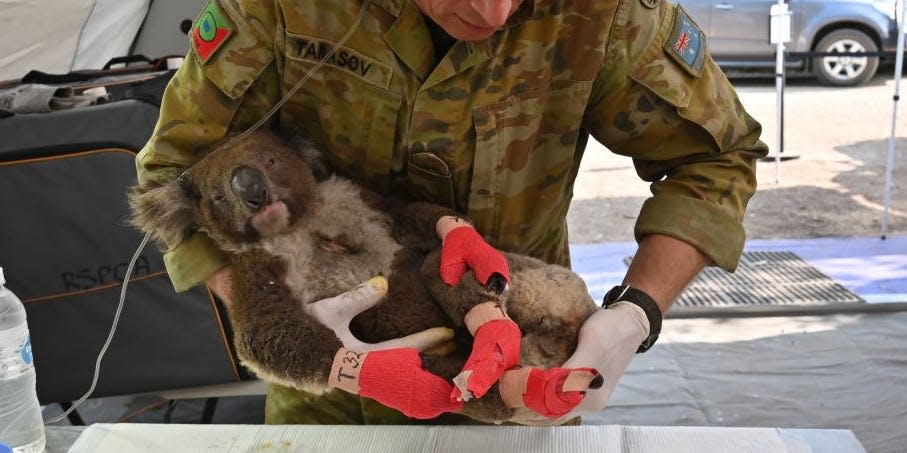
column 21, row 426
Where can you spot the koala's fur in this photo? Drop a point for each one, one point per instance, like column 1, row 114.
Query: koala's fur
column 332, row 236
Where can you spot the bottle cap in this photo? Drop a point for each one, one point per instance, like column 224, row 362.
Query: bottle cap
column 5, row 448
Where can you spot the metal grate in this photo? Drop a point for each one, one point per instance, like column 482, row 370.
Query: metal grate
column 764, row 278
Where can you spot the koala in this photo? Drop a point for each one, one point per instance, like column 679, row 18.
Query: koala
column 296, row 234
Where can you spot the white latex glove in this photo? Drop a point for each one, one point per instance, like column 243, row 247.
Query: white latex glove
column 608, row 341
column 337, row 312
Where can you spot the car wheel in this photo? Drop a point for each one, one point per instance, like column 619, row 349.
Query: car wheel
column 846, row 71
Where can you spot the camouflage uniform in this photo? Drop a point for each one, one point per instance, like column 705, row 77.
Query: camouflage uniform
column 495, row 128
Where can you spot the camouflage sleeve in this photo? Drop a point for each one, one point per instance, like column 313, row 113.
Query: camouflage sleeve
column 662, row 100
column 210, row 96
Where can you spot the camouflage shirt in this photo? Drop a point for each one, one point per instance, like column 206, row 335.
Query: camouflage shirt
column 495, row 128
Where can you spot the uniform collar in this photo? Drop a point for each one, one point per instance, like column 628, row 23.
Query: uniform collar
column 409, row 38
column 522, row 14
column 392, row 7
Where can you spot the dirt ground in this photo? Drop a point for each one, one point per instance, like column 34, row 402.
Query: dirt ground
column 834, row 188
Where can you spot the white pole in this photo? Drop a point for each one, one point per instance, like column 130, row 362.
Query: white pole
column 898, row 73
column 779, row 86
column 780, row 33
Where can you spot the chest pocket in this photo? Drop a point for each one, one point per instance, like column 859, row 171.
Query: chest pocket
column 345, row 106
column 525, row 164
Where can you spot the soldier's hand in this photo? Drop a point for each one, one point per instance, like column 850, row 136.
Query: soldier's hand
column 337, row 312
column 221, row 284
column 608, row 341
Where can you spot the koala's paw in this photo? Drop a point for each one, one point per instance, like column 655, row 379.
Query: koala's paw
column 495, row 349
column 551, row 393
column 457, row 300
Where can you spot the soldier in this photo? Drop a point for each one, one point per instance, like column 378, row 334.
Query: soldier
column 484, row 106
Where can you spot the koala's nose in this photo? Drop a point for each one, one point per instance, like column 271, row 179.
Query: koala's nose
column 249, row 185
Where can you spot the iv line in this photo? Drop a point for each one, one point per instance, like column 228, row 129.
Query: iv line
column 254, row 127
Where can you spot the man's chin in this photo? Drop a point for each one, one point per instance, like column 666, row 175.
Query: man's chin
column 465, row 31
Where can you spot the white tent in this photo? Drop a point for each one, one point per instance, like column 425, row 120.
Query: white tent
column 62, row 35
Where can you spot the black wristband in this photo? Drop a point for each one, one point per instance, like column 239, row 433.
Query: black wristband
column 626, row 293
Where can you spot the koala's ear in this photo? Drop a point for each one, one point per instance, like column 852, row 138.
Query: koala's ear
column 165, row 209
column 312, row 156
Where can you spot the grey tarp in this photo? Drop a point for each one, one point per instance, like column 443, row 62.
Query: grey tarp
column 838, row 371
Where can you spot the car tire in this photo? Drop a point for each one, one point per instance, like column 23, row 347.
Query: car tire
column 845, row 71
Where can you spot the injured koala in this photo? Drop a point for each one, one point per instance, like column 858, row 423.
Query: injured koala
column 297, row 235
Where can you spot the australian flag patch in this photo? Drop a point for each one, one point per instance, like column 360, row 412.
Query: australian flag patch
column 686, row 43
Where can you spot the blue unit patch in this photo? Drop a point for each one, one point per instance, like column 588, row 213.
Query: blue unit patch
column 686, row 43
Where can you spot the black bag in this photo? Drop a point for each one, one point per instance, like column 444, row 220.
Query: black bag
column 65, row 246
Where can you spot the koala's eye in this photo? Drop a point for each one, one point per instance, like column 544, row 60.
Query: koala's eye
column 270, row 162
column 219, row 197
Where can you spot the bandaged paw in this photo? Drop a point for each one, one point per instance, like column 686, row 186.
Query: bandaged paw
column 550, row 393
column 463, row 249
column 394, row 378
column 495, row 349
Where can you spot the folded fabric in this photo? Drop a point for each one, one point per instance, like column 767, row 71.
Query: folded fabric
column 36, row 98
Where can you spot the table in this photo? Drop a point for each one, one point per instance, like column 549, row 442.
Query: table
column 141, row 438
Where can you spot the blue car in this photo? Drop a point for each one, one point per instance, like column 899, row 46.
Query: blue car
column 738, row 32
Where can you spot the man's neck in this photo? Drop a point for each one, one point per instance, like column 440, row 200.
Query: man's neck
column 439, row 38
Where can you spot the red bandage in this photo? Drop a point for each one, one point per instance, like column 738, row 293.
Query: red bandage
column 396, row 379
column 496, row 349
column 551, row 393
column 464, row 249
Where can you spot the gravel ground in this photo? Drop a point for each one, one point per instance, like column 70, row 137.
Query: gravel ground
column 834, row 188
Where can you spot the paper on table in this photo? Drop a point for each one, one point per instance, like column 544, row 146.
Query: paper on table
column 128, row 438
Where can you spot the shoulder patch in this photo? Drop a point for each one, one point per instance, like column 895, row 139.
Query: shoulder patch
column 211, row 31
column 686, row 44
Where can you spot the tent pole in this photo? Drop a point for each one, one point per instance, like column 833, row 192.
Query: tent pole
column 898, row 73
column 779, row 86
